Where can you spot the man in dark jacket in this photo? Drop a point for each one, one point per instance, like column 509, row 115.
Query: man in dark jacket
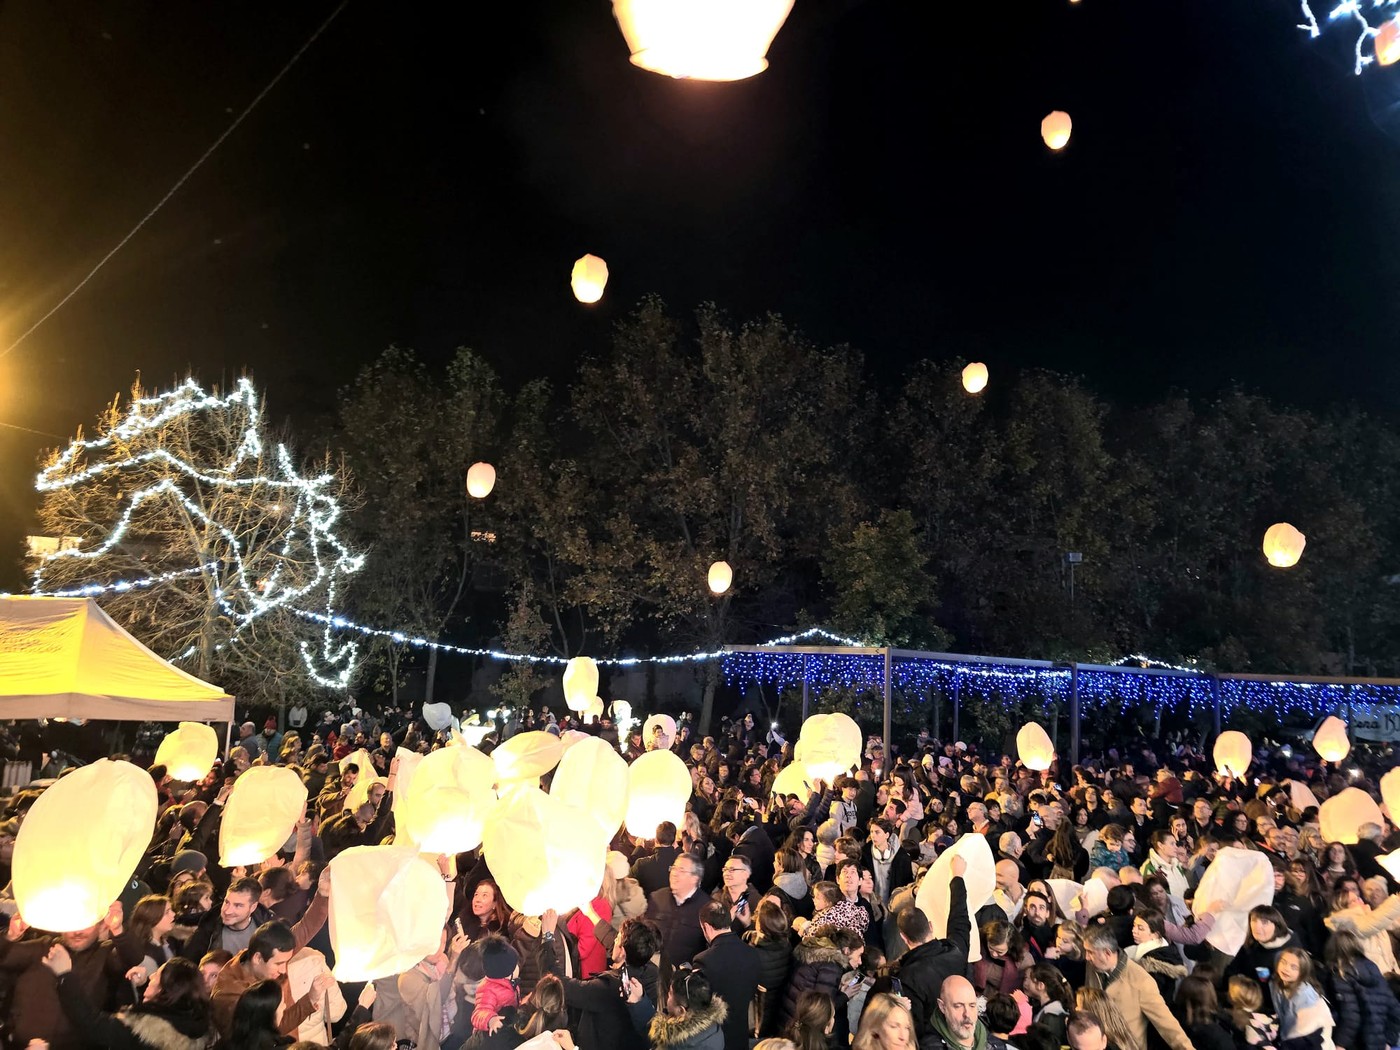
column 676, row 912
column 232, row 925
column 651, row 870
column 598, row 1006
column 732, row 967
column 929, row 961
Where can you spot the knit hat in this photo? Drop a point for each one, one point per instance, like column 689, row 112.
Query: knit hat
column 617, row 864
column 190, row 860
column 498, row 958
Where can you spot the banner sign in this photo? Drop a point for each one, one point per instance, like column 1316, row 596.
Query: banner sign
column 1378, row 723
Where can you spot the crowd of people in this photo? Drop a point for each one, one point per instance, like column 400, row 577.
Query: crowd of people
column 785, row 921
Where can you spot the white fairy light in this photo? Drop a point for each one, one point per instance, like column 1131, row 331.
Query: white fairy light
column 1365, row 18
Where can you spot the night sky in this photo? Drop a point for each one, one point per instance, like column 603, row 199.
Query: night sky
column 1226, row 212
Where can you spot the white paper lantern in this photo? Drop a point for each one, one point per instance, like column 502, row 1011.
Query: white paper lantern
column 720, row 577
column 1240, row 879
column 580, row 682
column 974, row 377
column 594, row 777
column 481, row 479
column 1233, row 753
column 80, row 843
column 1345, row 812
column 544, row 852
column 1071, row 896
column 260, row 815
column 189, row 752
column 1391, row 863
column 388, row 906
column 701, row 39
column 360, row 760
column 451, row 798
column 526, row 757
column 1035, row 747
column 1300, row 796
column 1283, row 545
column 403, row 780
column 1390, row 794
column 793, row 779
column 666, row 724
column 438, row 716
column 830, row 745
column 934, row 893
column 1330, row 741
column 1055, row 129
column 658, row 787
column 589, row 278
column 621, row 711
column 595, row 710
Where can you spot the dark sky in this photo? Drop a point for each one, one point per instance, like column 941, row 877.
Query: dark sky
column 1227, row 210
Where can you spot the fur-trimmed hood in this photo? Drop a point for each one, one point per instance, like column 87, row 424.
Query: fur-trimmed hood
column 156, row 1031
column 677, row 1031
column 1158, row 966
column 818, row 950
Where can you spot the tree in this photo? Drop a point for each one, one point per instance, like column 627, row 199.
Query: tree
column 880, row 585
column 204, row 538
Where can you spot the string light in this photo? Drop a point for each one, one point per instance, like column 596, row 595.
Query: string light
column 1367, row 25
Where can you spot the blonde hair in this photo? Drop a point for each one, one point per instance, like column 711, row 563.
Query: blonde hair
column 1245, row 998
column 878, row 1010
column 1114, row 1025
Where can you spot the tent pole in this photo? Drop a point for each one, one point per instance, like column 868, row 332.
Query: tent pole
column 228, row 737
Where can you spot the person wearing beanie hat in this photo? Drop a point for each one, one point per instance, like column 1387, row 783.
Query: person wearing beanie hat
column 497, row 992
column 190, row 860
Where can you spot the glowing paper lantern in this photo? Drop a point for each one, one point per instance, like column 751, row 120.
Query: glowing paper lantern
column 80, row 843
column 1330, row 741
column 580, row 682
column 526, row 757
column 544, row 852
column 451, row 798
column 621, row 711
column 594, row 777
column 934, row 894
column 792, row 779
column 403, row 780
column 658, row 787
column 720, row 577
column 1240, row 879
column 1233, row 753
column 1387, row 43
column 387, row 908
column 1391, row 863
column 701, row 39
column 190, row 752
column 829, row 745
column 481, row 479
column 974, row 377
column 1343, row 813
column 589, row 278
column 595, row 709
column 1035, row 747
column 1055, row 129
column 666, row 724
column 1283, row 545
column 1072, row 897
column 1390, row 794
column 1300, row 796
column 438, row 716
column 263, row 808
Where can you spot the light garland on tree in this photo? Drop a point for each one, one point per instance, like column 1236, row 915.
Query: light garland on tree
column 311, row 513
column 1366, row 18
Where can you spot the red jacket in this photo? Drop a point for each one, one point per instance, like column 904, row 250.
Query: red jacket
column 492, row 996
column 592, row 956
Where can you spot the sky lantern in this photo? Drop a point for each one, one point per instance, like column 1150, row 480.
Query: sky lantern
column 792, row 780
column 589, row 278
column 594, row 777
column 387, row 907
column 526, row 757
column 701, row 39
column 594, row 710
column 720, row 577
column 934, row 897
column 665, row 724
column 1035, row 747
column 80, row 843
column 545, row 852
column 1236, row 881
column 1390, row 793
column 658, row 788
column 450, row 798
column 262, row 809
column 1343, row 813
column 830, row 745
column 438, row 716
column 1233, row 753
column 481, row 479
column 1055, row 128
column 1283, row 545
column 974, row 377
column 1330, row 741
column 1387, row 42
column 189, row 752
column 580, row 682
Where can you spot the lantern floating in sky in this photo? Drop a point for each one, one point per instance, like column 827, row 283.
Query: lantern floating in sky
column 188, row 753
column 481, row 479
column 1330, row 741
column 1035, row 747
column 701, row 39
column 594, row 777
column 594, row 710
column 387, row 907
column 80, row 843
column 974, row 377
column 721, row 576
column 1283, row 545
column 1344, row 813
column 1387, row 42
column 1233, row 753
column 580, row 683
column 546, row 853
column 659, row 730
column 1055, row 129
column 589, row 278
column 526, row 757
column 658, row 787
column 1390, row 794
column 829, row 746
column 262, row 809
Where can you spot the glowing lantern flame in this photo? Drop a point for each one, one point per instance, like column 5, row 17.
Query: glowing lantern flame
column 580, row 683
column 974, row 377
column 1233, row 754
column 701, row 39
column 188, row 753
column 1330, row 741
column 1283, row 545
column 721, row 576
column 481, row 479
column 589, row 278
column 1387, row 43
column 1035, row 747
column 545, row 852
column 1342, row 815
column 263, row 808
column 828, row 746
column 1055, row 129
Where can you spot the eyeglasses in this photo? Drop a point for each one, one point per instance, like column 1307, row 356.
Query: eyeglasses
column 685, row 869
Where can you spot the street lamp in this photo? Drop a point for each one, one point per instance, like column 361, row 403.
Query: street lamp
column 1072, row 559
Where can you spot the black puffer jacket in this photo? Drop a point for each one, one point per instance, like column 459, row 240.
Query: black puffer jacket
column 774, row 965
column 143, row 1028
column 817, row 967
column 1366, row 1011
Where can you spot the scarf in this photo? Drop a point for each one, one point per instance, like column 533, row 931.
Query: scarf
column 880, row 861
column 940, row 1025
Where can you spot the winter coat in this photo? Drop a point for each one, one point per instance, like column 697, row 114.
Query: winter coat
column 1365, row 1009
column 210, row 929
column 598, row 1012
column 1166, row 966
column 774, row 965
column 236, row 978
column 692, row 1030
column 35, row 1012
column 922, row 969
column 1373, row 927
column 817, row 967
column 1103, row 857
column 1254, row 957
column 1134, row 992
column 680, row 925
column 492, row 996
column 592, row 955
column 137, row 1029
column 1303, row 1019
column 791, row 890
column 1211, row 1036
column 732, row 967
column 305, row 966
